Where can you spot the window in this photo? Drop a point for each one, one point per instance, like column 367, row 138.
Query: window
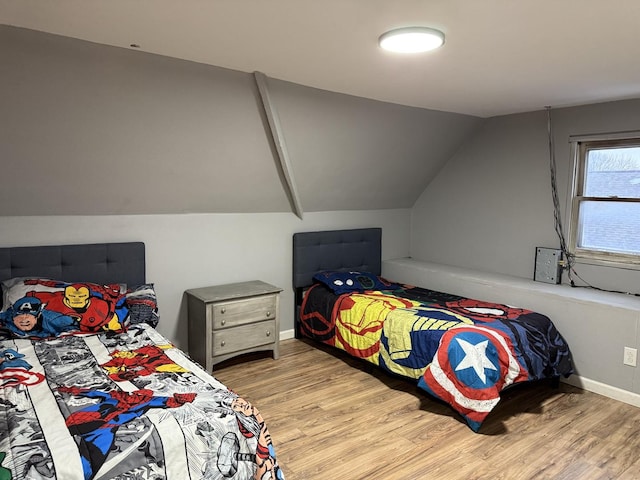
column 605, row 209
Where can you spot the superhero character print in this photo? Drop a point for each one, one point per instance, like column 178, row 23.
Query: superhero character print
column 94, row 307
column 15, row 370
column 95, row 425
column 125, row 365
column 28, row 318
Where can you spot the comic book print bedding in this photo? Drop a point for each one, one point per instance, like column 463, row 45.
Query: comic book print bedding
column 462, row 351
column 125, row 405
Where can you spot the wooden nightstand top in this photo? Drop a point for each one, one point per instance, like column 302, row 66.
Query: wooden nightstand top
column 229, row 291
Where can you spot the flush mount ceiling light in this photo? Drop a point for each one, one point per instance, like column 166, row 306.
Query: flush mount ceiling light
column 411, row 40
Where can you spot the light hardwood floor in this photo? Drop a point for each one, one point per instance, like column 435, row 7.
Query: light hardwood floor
column 334, row 417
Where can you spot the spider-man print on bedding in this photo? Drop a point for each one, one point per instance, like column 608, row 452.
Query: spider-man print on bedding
column 122, row 406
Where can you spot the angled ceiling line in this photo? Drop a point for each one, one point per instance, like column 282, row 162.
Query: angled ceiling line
column 278, row 140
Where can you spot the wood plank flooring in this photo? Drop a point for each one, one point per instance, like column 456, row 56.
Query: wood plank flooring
column 334, row 417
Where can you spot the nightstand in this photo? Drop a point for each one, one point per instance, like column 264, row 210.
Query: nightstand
column 232, row 319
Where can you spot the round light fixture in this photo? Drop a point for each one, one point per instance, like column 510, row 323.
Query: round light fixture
column 411, row 40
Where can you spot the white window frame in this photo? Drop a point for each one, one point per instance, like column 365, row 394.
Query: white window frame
column 579, row 146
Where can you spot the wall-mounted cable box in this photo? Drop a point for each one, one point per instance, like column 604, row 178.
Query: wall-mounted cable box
column 547, row 268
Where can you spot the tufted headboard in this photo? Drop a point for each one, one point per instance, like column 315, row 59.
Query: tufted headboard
column 97, row 262
column 355, row 249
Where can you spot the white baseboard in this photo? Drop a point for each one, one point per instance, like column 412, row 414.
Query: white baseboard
column 614, row 393
column 287, row 334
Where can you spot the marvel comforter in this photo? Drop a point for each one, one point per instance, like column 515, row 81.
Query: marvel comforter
column 462, row 351
column 123, row 405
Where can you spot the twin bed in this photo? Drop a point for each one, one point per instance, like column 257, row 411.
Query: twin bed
column 459, row 350
column 90, row 390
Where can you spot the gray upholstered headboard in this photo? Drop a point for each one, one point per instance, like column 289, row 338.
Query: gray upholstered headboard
column 97, row 262
column 356, row 249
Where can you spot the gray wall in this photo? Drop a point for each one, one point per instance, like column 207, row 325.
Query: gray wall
column 490, row 206
column 100, row 130
column 354, row 153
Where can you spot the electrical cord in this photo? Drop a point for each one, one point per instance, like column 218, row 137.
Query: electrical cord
column 569, row 263
column 557, row 219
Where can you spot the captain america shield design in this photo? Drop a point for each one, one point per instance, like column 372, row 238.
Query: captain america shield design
column 472, row 365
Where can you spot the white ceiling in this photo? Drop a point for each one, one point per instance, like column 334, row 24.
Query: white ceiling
column 499, row 57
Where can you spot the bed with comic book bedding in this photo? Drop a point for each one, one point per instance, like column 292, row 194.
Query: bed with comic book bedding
column 89, row 389
column 459, row 350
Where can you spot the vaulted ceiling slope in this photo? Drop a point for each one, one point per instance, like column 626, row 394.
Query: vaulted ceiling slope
column 90, row 129
column 499, row 57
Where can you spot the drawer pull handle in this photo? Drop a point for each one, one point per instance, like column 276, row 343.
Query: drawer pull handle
column 223, row 343
column 268, row 333
column 268, row 314
column 223, row 310
column 223, row 322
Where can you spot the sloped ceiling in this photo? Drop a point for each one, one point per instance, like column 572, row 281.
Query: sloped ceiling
column 95, row 125
column 90, row 129
column 353, row 153
column 500, row 56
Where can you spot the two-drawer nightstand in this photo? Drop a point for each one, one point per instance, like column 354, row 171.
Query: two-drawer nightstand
column 232, row 319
